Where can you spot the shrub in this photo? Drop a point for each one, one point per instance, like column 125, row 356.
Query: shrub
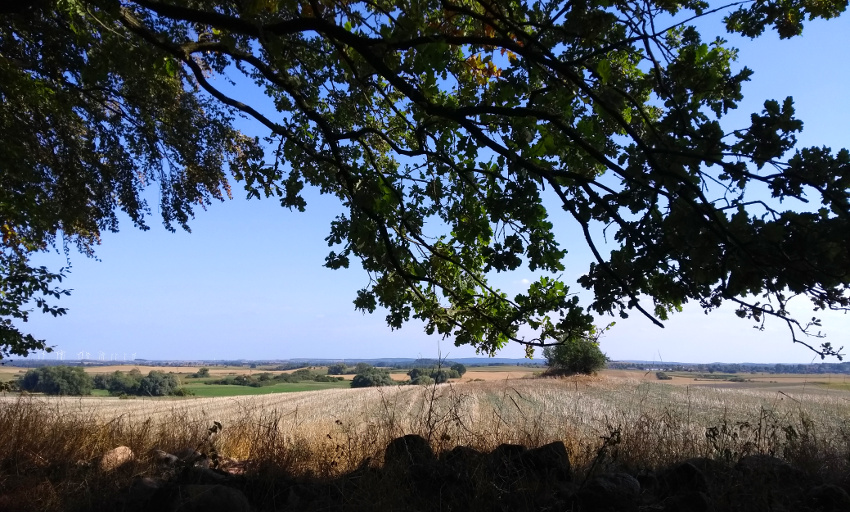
column 422, row 380
column 57, row 380
column 459, row 368
column 337, row 369
column 371, row 378
column 662, row 376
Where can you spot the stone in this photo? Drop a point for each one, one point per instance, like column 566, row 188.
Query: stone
column 460, row 463
column 201, row 475
column 189, row 455
column 771, row 471
column 828, row 498
column 115, row 458
column 410, row 450
column 201, row 498
column 683, row 478
column 610, row 492
column 165, row 458
column 549, row 461
column 688, row 502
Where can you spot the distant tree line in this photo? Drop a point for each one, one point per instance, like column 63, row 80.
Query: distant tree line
column 132, row 383
column 269, row 379
column 57, row 380
column 73, row 380
column 370, row 376
column 732, row 368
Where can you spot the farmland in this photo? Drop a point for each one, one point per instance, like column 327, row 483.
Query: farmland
column 613, row 420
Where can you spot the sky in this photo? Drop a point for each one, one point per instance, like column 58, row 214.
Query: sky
column 248, row 282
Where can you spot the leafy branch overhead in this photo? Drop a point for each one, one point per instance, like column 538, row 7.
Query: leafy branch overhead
column 445, row 127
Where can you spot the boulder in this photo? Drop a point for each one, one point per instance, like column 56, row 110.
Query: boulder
column 115, row 458
column 201, row 498
column 410, row 450
column 828, row 498
column 688, row 502
column 612, row 492
column 683, row 478
column 165, row 458
column 549, row 462
column 189, row 455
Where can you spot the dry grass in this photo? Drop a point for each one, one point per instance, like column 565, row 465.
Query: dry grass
column 46, row 441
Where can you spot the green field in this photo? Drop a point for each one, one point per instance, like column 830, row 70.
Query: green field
column 211, row 390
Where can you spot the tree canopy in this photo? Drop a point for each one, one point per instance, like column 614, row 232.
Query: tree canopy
column 579, row 354
column 445, row 128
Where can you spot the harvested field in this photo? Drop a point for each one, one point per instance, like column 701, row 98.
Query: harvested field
column 672, row 419
column 605, row 423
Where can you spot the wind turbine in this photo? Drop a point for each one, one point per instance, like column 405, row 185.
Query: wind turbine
column 102, row 356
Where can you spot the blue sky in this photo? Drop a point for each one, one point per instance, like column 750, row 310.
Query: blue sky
column 248, row 282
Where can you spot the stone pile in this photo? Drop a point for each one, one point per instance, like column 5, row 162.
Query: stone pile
column 510, row 478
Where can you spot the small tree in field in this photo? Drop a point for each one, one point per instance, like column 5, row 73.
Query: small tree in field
column 459, row 368
column 576, row 355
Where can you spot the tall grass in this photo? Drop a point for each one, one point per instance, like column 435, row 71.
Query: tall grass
column 50, row 443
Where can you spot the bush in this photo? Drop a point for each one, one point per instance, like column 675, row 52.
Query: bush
column 132, row 383
column 158, row 384
column 371, row 378
column 422, row 380
column 662, row 376
column 57, row 380
column 575, row 355
column 362, row 367
column 459, row 368
column 337, row 369
column 201, row 373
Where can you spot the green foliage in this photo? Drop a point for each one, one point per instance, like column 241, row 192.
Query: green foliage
column 459, row 368
column 662, row 376
column 422, row 380
column 267, row 379
column 413, row 118
column 434, row 374
column 337, row 369
column 202, row 373
column 372, row 377
column 132, row 383
column 362, row 367
column 57, row 380
column 575, row 355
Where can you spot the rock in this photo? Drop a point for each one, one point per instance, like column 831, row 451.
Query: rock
column 201, row 498
column 201, row 475
column 683, row 478
column 189, row 455
column 550, row 461
column 410, row 450
column 828, row 498
column 232, row 466
column 165, row 458
column 614, row 492
column 688, row 502
column 506, row 453
column 115, row 458
column 504, row 466
column 772, row 471
column 460, row 463
column 711, row 468
column 138, row 496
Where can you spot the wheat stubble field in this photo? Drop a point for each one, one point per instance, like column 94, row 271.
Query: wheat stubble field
column 47, row 444
column 655, row 422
